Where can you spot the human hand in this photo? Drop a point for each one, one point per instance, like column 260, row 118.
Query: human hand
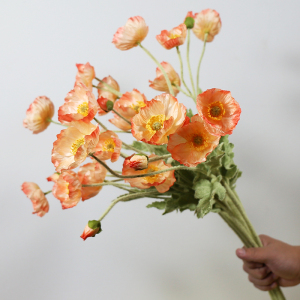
column 276, row 263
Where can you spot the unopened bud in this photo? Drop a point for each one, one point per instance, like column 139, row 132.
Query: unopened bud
column 91, row 229
column 105, row 104
column 139, row 162
column 189, row 22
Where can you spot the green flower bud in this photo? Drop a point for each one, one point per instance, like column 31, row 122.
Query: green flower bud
column 189, row 22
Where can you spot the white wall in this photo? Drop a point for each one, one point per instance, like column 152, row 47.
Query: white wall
column 141, row 254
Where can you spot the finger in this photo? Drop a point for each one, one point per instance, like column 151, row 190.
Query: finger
column 263, row 282
column 258, row 255
column 266, row 288
column 286, row 283
column 260, row 273
column 253, row 265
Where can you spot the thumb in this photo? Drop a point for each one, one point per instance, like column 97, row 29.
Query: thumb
column 252, row 254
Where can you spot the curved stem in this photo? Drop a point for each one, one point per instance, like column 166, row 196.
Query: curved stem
column 161, row 68
column 46, row 193
column 102, row 125
column 126, row 197
column 140, row 175
column 57, row 123
column 119, row 115
column 133, row 149
column 159, row 157
column 121, row 131
column 181, row 90
column 188, row 63
column 181, row 71
column 199, row 64
column 109, row 88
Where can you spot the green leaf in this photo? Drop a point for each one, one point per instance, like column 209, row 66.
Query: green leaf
column 157, row 204
column 219, row 190
column 202, row 189
column 204, row 206
column 189, row 113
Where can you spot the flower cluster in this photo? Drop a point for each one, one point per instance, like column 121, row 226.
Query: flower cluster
column 160, row 122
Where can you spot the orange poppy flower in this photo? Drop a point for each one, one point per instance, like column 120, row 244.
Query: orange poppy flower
column 38, row 114
column 172, row 38
column 162, row 181
column 88, row 174
column 72, row 147
column 67, row 189
column 79, row 109
column 91, row 229
column 37, row 197
column 207, row 21
column 191, row 144
column 85, row 75
column 161, row 117
column 160, row 83
column 128, row 106
column 128, row 36
column 219, row 110
column 108, row 147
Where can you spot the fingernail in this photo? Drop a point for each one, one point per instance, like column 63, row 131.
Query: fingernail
column 241, row 252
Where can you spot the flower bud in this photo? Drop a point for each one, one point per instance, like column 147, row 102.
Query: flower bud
column 189, row 22
column 139, row 162
column 91, row 229
column 105, row 104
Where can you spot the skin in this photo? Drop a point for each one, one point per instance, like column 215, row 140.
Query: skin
column 276, row 263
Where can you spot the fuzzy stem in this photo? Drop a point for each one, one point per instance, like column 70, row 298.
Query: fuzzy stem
column 140, row 175
column 133, row 149
column 188, row 63
column 46, row 193
column 57, row 123
column 110, row 89
column 102, row 125
column 119, row 115
column 151, row 159
column 200, row 60
column 181, row 90
column 181, row 72
column 161, row 68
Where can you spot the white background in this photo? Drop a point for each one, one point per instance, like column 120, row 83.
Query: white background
column 141, row 254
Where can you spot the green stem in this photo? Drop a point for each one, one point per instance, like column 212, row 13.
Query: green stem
column 124, row 198
column 121, row 131
column 161, row 68
column 123, row 155
column 110, row 89
column 57, row 123
column 46, row 193
column 132, row 148
column 159, row 157
column 140, row 175
column 102, row 125
column 119, row 115
column 199, row 64
column 181, row 71
column 188, row 63
column 181, row 90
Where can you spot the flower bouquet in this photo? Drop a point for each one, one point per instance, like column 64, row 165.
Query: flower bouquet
column 183, row 161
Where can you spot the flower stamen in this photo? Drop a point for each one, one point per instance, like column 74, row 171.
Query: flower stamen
column 83, row 109
column 138, row 105
column 109, row 145
column 155, row 123
column 216, row 110
column 78, row 143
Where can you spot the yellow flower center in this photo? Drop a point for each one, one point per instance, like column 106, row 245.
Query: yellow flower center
column 155, row 123
column 153, row 178
column 138, row 105
column 199, row 141
column 109, row 145
column 216, row 110
column 83, row 109
column 174, row 35
column 76, row 145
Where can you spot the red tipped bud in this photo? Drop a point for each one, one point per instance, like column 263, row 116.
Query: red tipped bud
column 139, row 162
column 91, row 229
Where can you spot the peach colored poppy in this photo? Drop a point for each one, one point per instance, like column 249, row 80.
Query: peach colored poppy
column 128, row 106
column 191, row 144
column 53, row 177
column 161, row 117
column 103, row 93
column 91, row 229
column 108, row 147
column 138, row 161
column 172, row 38
column 37, row 197
column 85, row 75
column 220, row 111
column 67, row 189
column 88, row 174
column 130, row 35
column 72, row 147
column 79, row 109
column 40, row 111
column 207, row 21
column 160, row 83
column 162, row 181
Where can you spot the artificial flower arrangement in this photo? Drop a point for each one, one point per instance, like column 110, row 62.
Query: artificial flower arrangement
column 183, row 161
